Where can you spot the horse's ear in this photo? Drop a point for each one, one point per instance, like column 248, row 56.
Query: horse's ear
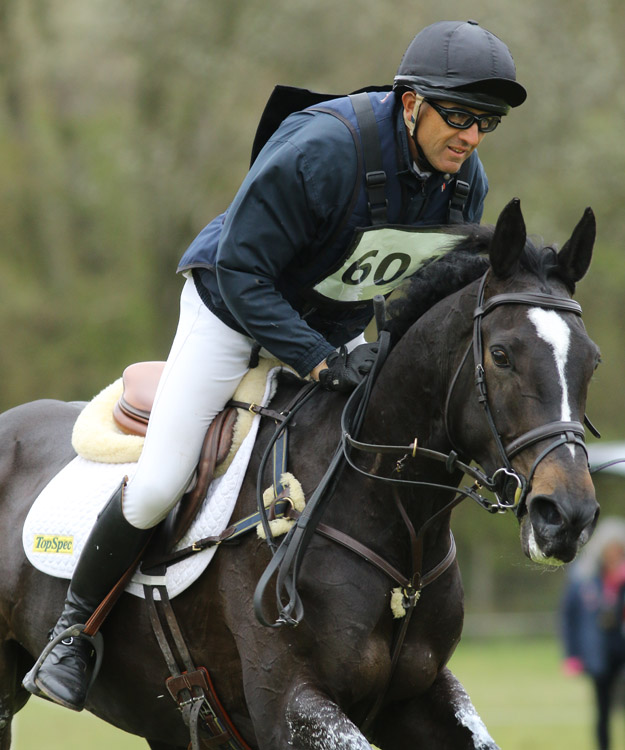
column 508, row 240
column 574, row 258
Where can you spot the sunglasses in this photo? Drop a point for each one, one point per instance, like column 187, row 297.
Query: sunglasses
column 463, row 119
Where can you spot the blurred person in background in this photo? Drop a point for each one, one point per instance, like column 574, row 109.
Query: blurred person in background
column 593, row 619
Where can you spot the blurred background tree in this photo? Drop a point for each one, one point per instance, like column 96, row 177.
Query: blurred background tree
column 126, row 126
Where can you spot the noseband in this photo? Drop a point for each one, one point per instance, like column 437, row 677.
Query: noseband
column 510, row 486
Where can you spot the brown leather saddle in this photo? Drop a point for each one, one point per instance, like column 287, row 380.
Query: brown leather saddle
column 140, row 381
column 132, row 413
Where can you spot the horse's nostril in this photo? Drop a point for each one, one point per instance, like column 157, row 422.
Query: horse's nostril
column 589, row 526
column 551, row 517
column 595, row 517
column 545, row 511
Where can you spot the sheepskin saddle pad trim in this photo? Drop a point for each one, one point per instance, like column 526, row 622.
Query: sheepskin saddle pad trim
column 63, row 514
column 98, row 437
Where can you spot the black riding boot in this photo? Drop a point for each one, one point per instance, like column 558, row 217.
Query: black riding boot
column 65, row 675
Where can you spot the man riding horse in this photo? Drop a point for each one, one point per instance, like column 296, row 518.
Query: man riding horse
column 277, row 273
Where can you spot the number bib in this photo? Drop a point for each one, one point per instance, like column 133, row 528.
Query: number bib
column 380, row 259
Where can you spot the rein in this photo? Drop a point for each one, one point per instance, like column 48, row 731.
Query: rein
column 287, row 559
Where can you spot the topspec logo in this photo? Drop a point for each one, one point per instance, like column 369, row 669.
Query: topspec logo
column 53, row 543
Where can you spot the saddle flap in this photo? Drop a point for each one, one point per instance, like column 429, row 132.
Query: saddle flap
column 215, row 449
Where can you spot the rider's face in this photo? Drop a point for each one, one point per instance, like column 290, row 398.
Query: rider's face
column 445, row 147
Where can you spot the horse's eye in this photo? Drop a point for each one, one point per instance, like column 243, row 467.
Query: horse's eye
column 500, row 358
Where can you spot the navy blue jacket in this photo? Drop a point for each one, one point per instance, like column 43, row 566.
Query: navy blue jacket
column 294, row 218
column 591, row 629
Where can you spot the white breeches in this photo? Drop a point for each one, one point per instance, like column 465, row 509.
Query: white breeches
column 205, row 365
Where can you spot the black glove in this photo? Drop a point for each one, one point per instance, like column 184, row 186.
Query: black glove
column 345, row 371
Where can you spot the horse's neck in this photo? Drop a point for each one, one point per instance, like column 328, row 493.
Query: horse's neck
column 409, row 398
column 408, row 403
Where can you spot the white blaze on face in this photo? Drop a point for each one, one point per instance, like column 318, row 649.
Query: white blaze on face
column 552, row 329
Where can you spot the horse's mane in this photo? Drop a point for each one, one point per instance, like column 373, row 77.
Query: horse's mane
column 466, row 261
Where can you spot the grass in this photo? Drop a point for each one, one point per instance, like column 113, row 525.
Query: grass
column 516, row 684
column 42, row 725
column 526, row 702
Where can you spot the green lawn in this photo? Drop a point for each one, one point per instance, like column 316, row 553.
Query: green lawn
column 42, row 725
column 516, row 685
column 523, row 697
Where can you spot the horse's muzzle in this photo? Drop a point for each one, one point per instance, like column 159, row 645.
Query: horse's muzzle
column 554, row 530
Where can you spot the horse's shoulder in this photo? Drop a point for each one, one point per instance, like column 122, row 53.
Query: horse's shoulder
column 322, row 406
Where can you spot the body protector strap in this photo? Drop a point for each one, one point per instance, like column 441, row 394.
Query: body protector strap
column 375, row 176
column 286, row 100
column 455, row 212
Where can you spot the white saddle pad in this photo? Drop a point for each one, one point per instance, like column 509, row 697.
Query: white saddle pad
column 62, row 516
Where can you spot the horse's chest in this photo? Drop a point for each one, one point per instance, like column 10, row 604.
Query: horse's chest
column 415, row 672
column 362, row 670
column 433, row 636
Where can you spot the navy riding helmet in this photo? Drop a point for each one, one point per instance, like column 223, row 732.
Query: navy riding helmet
column 462, row 62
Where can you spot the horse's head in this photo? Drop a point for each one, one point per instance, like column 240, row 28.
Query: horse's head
column 533, row 361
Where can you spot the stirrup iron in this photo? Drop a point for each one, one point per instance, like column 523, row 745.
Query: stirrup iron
column 73, row 631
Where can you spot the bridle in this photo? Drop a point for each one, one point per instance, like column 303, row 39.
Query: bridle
column 509, row 485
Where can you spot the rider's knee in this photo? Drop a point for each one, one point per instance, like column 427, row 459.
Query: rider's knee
column 147, row 505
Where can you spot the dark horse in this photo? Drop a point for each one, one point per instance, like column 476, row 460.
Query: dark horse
column 512, row 328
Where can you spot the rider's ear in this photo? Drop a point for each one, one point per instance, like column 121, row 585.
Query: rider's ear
column 409, row 101
column 508, row 240
column 574, row 258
